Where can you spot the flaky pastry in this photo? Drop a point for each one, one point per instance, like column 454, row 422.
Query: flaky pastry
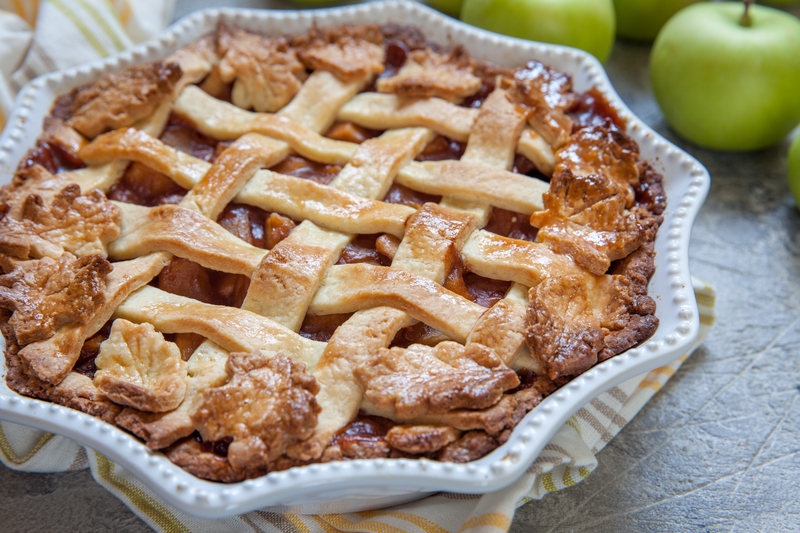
column 137, row 368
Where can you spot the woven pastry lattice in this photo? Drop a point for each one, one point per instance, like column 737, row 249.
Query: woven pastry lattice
column 85, row 267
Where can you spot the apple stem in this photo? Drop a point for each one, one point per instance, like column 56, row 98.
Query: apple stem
column 746, row 16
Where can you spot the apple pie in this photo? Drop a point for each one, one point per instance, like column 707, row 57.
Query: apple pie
column 267, row 251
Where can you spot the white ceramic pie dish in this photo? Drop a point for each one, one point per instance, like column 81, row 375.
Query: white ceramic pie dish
column 365, row 484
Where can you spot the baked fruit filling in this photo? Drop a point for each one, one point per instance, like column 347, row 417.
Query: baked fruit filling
column 263, row 252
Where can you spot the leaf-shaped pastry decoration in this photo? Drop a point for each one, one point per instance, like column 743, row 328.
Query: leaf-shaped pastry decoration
column 138, row 368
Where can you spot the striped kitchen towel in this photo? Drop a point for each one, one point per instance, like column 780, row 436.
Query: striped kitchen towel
column 567, row 459
column 41, row 36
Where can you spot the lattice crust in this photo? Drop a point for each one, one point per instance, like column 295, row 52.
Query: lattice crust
column 230, row 258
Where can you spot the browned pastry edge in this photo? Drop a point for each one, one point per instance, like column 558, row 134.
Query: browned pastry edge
column 119, row 100
column 267, row 404
column 46, row 295
column 568, row 336
column 421, row 439
column 75, row 393
column 636, row 271
column 441, row 443
column 158, row 430
column 190, row 455
column 650, row 191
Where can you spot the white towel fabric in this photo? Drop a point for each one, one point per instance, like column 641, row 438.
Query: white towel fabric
column 41, row 36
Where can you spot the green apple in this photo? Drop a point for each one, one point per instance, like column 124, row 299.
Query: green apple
column 450, row 7
column 726, row 83
column 641, row 19
column 310, row 4
column 794, row 169
column 585, row 24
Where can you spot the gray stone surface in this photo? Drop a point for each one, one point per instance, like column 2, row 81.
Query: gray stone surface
column 718, row 449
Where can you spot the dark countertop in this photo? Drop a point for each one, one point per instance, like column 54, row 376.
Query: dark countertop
column 718, row 449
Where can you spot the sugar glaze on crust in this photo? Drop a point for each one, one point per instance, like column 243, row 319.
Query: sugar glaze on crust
column 345, row 244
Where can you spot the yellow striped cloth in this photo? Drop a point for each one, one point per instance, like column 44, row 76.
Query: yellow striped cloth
column 41, row 36
column 566, row 460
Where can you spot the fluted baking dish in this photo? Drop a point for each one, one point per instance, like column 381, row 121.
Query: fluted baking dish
column 365, row 484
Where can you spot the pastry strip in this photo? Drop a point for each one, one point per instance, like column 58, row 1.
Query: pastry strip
column 135, row 145
column 224, row 121
column 493, row 256
column 388, row 111
column 432, row 237
column 303, row 199
column 322, row 96
column 232, row 169
column 372, row 168
column 184, row 233
column 534, row 147
column 282, row 286
column 497, row 130
column 502, row 328
column 233, row 329
column 470, row 182
column 349, row 288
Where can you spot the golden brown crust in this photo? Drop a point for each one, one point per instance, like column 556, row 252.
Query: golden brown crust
column 563, row 333
column 120, row 100
column 356, row 449
column 75, row 392
column 350, row 52
column 52, row 359
column 545, row 94
column 267, row 404
column 420, row 380
column 503, row 415
column 602, row 149
column 634, row 319
column 265, row 72
column 192, row 457
column 427, row 73
column 472, row 445
column 137, row 368
column 46, row 294
column 158, row 430
column 586, row 218
column 29, row 180
column 538, row 84
column 575, row 321
column 67, row 221
column 421, row 439
column 650, row 189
